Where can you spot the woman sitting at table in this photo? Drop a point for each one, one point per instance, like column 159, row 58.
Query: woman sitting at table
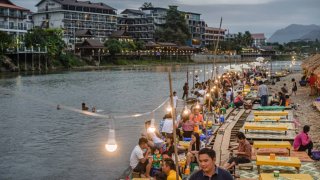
column 302, row 141
column 244, row 152
column 193, row 149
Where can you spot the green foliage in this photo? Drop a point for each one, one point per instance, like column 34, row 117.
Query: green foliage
column 50, row 38
column 5, row 42
column 140, row 45
column 69, row 60
column 128, row 46
column 175, row 29
column 114, row 46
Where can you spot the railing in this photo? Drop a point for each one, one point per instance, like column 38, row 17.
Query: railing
column 2, row 26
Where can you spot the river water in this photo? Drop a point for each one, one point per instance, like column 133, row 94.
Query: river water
column 39, row 142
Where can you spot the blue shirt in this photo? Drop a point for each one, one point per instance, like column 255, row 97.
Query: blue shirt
column 220, row 174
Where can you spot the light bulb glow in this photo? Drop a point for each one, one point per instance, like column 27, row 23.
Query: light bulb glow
column 151, row 129
column 111, row 145
column 169, row 109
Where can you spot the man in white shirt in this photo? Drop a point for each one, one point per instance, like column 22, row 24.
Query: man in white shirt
column 138, row 160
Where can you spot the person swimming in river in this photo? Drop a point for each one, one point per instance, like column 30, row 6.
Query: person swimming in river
column 94, row 109
column 84, row 107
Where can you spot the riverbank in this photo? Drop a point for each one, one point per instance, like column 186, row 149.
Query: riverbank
column 306, row 113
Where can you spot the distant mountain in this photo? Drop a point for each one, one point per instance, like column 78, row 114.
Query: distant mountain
column 313, row 35
column 293, row 32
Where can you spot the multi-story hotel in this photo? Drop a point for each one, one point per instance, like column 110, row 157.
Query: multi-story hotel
column 213, row 34
column 74, row 15
column 196, row 29
column 14, row 19
column 258, row 39
column 136, row 24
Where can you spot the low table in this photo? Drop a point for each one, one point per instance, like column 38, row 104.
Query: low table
column 271, row 113
column 279, row 161
column 272, row 144
column 269, row 127
column 269, row 176
column 260, row 118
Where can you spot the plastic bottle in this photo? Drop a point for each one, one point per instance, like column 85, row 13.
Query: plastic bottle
column 221, row 119
column 187, row 171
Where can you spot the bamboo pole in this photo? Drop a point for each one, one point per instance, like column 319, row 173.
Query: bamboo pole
column 216, row 47
column 174, row 127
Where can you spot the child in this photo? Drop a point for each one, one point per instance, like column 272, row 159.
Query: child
column 156, row 159
column 288, row 100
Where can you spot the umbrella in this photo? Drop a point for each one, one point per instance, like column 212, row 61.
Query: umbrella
column 260, row 59
column 255, row 64
column 232, row 68
column 245, row 66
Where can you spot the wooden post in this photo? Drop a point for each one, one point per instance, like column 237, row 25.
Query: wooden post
column 39, row 56
column 25, row 60
column 174, row 127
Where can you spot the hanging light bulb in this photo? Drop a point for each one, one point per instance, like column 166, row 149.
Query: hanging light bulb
column 169, row 109
column 111, row 145
column 185, row 111
column 152, row 128
column 197, row 106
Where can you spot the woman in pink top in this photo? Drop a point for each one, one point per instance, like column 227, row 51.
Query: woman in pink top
column 187, row 126
column 302, row 141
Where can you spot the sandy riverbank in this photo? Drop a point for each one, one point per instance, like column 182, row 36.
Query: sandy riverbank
column 306, row 113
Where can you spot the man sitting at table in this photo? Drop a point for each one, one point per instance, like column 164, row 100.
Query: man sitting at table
column 244, row 152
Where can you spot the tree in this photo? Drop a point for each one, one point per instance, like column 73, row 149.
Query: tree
column 247, row 39
column 140, row 45
column 146, row 5
column 50, row 38
column 114, row 46
column 6, row 41
column 175, row 29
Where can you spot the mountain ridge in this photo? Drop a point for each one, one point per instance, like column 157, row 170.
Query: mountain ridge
column 295, row 32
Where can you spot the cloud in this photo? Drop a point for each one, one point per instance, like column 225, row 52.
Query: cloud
column 219, row 2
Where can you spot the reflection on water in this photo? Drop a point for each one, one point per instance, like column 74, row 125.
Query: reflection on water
column 39, row 142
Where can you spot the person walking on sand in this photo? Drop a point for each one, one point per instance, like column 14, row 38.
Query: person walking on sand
column 294, row 86
column 185, row 90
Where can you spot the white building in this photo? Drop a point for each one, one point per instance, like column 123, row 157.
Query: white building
column 213, row 34
column 75, row 15
column 14, row 19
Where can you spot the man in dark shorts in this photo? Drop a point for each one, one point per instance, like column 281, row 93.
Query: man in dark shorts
column 139, row 160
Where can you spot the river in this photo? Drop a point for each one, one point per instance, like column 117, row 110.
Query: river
column 37, row 141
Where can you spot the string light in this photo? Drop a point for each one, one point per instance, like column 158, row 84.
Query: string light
column 185, row 111
column 152, row 128
column 169, row 109
column 111, row 145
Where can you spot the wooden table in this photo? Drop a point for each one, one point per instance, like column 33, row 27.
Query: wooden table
column 271, row 113
column 279, row 161
column 260, row 118
column 269, row 176
column 272, row 144
column 269, row 127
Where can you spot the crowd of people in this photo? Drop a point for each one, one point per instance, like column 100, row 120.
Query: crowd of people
column 153, row 156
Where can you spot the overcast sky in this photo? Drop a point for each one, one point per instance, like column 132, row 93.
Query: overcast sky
column 257, row 16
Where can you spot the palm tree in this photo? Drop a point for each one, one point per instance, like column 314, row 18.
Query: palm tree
column 146, row 5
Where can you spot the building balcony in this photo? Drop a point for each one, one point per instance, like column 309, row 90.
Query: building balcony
column 2, row 26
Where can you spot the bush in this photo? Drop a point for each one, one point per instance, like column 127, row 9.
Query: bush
column 69, row 60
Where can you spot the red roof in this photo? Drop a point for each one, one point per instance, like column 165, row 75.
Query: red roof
column 258, row 36
column 10, row 5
